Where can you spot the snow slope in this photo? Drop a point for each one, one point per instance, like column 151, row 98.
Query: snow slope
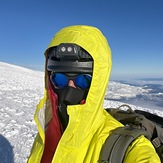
column 20, row 91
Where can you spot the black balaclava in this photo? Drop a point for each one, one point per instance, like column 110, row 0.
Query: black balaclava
column 76, row 61
column 69, row 96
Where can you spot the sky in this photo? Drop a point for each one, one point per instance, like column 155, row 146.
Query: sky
column 133, row 28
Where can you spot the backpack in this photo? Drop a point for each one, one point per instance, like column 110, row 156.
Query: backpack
column 136, row 123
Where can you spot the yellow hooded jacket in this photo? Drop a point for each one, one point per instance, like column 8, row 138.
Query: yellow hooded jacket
column 89, row 124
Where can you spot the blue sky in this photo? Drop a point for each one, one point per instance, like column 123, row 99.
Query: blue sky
column 133, row 28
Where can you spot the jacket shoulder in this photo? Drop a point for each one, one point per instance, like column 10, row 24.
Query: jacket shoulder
column 141, row 149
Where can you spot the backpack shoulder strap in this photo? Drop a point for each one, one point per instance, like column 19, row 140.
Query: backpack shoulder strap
column 118, row 142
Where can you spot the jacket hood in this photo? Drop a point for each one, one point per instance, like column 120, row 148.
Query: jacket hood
column 93, row 41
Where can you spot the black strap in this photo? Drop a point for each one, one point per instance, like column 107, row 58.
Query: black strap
column 117, row 143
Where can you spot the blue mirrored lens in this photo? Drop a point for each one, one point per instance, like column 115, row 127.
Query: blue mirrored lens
column 59, row 80
column 83, row 81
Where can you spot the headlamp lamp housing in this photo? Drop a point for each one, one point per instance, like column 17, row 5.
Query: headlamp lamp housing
column 67, row 52
column 68, row 57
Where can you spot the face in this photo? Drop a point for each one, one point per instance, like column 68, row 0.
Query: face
column 77, row 84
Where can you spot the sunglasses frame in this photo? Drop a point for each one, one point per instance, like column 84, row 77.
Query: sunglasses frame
column 70, row 76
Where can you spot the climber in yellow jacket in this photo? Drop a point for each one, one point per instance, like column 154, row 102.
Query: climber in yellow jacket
column 72, row 123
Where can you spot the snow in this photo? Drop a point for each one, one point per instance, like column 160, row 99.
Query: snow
column 20, row 91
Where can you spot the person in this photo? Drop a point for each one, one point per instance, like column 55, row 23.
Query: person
column 72, row 123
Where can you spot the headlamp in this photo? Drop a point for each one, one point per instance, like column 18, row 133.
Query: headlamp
column 67, row 52
column 68, row 57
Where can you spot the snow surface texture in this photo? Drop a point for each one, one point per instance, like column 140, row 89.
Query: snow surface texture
column 20, row 91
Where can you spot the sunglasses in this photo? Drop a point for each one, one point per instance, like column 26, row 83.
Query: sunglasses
column 60, row 80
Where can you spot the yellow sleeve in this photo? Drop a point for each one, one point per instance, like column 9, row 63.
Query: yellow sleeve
column 141, row 151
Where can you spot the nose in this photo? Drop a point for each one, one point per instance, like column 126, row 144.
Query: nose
column 71, row 83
